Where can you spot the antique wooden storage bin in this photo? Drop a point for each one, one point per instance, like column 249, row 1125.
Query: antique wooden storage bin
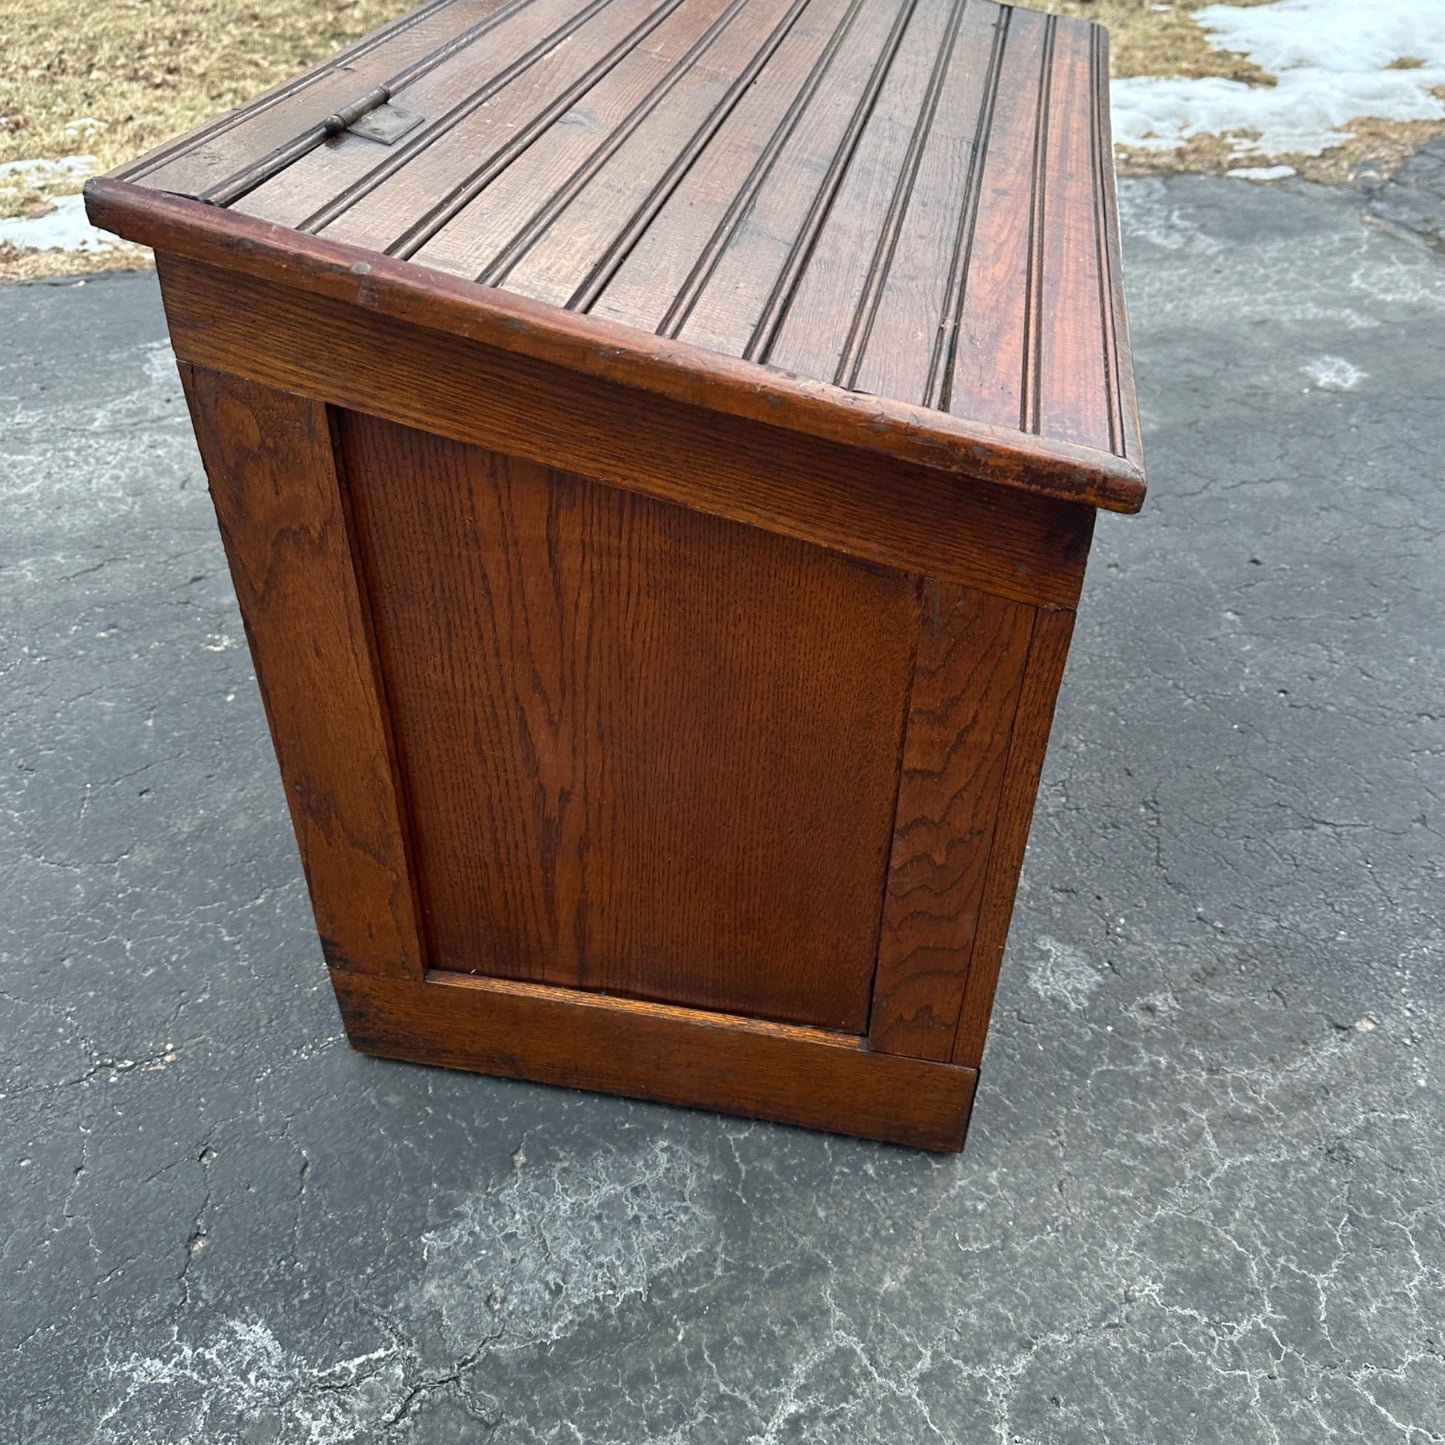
column 656, row 443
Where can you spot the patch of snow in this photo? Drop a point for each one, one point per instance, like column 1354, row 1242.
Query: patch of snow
column 1331, row 57
column 64, row 228
column 1262, row 173
column 42, row 173
column 1333, row 373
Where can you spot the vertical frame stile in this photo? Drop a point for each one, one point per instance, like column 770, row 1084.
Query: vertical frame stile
column 1044, row 672
column 271, row 462
column 969, row 667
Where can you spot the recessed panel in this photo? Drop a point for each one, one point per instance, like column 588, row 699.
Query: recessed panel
column 644, row 750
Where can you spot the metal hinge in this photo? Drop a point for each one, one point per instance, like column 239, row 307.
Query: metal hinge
column 373, row 117
column 370, row 117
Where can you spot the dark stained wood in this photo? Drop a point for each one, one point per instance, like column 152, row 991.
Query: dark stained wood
column 821, row 330
column 658, row 484
column 395, row 203
column 1119, row 357
column 648, row 265
column 677, row 1056
column 919, row 260
column 352, row 171
column 993, row 361
column 1048, row 651
column 207, row 156
column 838, row 497
column 634, row 124
column 748, row 273
column 273, row 479
column 971, row 654
column 1071, row 265
column 647, row 751
column 905, row 199
column 652, row 366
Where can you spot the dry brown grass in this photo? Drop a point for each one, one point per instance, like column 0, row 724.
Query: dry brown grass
column 23, row 265
column 149, row 69
column 146, row 70
column 1149, row 38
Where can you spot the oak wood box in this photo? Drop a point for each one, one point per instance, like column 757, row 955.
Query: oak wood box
column 656, row 443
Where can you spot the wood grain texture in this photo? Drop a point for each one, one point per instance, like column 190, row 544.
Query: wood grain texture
column 273, row 479
column 1117, row 352
column 647, row 751
column 677, row 1056
column 822, row 330
column 351, row 171
column 206, row 158
column 1048, row 651
column 661, row 592
column 651, row 367
column 971, row 654
column 908, row 199
column 909, row 518
column 396, row 203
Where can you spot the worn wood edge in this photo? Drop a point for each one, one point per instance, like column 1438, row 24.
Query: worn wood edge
column 1122, row 362
column 348, row 940
column 683, row 372
column 1043, row 673
column 786, row 1073
column 885, row 511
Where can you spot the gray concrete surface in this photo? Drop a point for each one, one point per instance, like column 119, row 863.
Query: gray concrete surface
column 1202, row 1196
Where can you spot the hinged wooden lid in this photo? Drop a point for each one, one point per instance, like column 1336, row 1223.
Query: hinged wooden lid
column 895, row 217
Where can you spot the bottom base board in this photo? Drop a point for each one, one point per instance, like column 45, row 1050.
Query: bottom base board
column 781, row 1072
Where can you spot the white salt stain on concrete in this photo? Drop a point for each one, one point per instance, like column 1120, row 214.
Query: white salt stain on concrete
column 1333, row 373
column 1333, row 62
column 518, row 1267
column 242, row 1385
column 525, row 1265
column 1061, row 974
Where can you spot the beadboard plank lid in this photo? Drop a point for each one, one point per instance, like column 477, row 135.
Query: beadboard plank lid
column 887, row 222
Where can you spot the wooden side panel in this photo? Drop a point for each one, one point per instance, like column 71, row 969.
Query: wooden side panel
column 995, row 538
column 971, row 654
column 1047, row 654
column 647, row 751
column 271, row 464
column 649, row 1051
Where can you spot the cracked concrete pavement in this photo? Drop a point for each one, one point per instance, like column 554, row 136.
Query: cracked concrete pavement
column 1202, row 1197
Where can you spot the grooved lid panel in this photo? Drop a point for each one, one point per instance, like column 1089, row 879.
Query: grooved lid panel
column 909, row 200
